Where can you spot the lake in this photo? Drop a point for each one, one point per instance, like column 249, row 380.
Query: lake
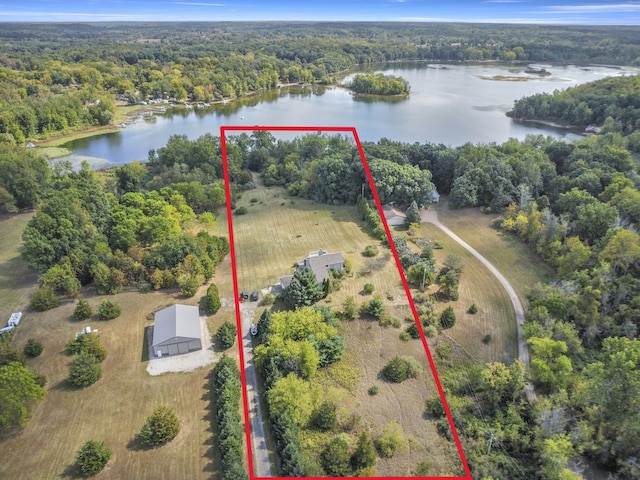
column 449, row 103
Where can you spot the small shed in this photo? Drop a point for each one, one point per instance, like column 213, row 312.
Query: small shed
column 176, row 330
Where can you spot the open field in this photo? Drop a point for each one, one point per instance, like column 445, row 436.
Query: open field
column 114, row 409
column 277, row 232
column 17, row 282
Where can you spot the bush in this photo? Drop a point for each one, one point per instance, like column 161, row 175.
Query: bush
column 412, row 330
column 391, row 441
column 211, row 301
column 108, row 310
column 33, row 348
column 85, row 370
column 486, row 339
column 324, row 418
column 472, row 310
column 82, row 311
column 399, row 369
column 448, row 317
column 267, row 300
column 92, row 457
column 349, row 309
column 373, row 390
column 241, row 210
column 368, row 288
column 226, row 335
column 370, row 251
column 430, row 331
column 44, row 299
column 404, row 336
column 390, row 321
column 88, row 343
column 423, row 469
column 364, row 456
column 375, row 308
column 160, row 427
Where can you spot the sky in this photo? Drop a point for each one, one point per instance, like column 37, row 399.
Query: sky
column 592, row 12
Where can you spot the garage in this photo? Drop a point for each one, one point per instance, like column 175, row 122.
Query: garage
column 176, row 331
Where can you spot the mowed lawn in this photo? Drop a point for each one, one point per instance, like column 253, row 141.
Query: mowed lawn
column 114, row 409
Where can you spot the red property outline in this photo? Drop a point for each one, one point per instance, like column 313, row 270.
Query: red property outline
column 245, row 401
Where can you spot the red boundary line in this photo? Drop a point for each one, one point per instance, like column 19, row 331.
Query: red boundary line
column 245, row 401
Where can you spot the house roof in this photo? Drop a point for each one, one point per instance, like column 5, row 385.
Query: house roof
column 176, row 321
column 391, row 212
column 319, row 262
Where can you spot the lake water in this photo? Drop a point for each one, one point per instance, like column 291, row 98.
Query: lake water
column 449, row 104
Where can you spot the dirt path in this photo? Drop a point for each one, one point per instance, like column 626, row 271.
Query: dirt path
column 431, row 216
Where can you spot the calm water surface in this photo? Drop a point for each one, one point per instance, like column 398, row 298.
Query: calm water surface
column 449, row 104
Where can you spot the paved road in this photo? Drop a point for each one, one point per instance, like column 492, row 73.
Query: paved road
column 261, row 464
column 431, row 216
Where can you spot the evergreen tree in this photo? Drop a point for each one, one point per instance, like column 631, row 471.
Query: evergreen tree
column 364, row 456
column 92, row 457
column 448, row 317
column 85, row 370
column 303, row 290
column 211, row 301
column 413, row 214
column 82, row 311
column 161, row 427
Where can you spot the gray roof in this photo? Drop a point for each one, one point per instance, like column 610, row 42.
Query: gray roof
column 176, row 322
column 320, row 264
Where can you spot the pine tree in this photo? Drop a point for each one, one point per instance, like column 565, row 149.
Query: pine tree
column 413, row 214
column 364, row 456
column 303, row 290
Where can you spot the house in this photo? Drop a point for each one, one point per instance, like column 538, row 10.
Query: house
column 393, row 216
column 435, row 196
column 176, row 330
column 320, row 263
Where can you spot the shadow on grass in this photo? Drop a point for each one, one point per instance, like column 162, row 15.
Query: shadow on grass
column 145, row 343
column 72, row 471
column 136, row 445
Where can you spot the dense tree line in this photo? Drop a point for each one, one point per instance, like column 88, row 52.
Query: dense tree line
column 226, row 390
column 379, row 84
column 57, row 78
column 612, row 103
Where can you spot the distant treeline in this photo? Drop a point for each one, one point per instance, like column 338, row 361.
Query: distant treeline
column 56, row 78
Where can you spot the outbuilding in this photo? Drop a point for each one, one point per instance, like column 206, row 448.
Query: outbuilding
column 176, row 330
column 394, row 216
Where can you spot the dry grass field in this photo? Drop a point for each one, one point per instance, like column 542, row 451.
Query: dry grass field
column 277, row 232
column 114, row 409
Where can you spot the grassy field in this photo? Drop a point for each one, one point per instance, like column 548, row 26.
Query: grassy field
column 114, row 409
column 278, row 231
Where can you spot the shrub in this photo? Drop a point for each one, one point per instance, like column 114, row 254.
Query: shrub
column 324, row 418
column 92, row 457
column 413, row 331
column 368, row 288
column 390, row 321
column 226, row 335
column 391, row 441
column 370, row 251
column 44, row 299
column 349, row 309
column 423, row 469
column 241, row 210
column 375, row 308
column 82, row 311
column 430, row 331
column 399, row 369
column 404, row 336
column 335, row 458
column 88, row 343
column 486, row 339
column 448, row 317
column 85, row 370
column 472, row 310
column 373, row 390
column 108, row 310
column 267, row 300
column 211, row 301
column 364, row 456
column 33, row 348
column 160, row 427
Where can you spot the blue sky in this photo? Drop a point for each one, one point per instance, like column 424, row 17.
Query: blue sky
column 494, row 11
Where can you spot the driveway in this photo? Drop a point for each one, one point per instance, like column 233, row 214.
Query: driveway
column 431, row 216
column 261, row 464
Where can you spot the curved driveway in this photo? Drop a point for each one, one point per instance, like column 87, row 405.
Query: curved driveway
column 431, row 216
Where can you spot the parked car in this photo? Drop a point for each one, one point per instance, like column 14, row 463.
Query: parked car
column 244, row 295
column 254, row 296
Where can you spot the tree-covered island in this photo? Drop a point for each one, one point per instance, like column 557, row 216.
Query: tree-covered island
column 379, row 84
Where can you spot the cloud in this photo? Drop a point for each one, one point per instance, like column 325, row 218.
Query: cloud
column 76, row 15
column 601, row 8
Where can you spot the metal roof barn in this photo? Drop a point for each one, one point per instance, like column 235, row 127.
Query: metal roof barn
column 176, row 330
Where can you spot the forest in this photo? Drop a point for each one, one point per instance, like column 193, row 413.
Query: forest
column 379, row 84
column 56, row 79
column 576, row 205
